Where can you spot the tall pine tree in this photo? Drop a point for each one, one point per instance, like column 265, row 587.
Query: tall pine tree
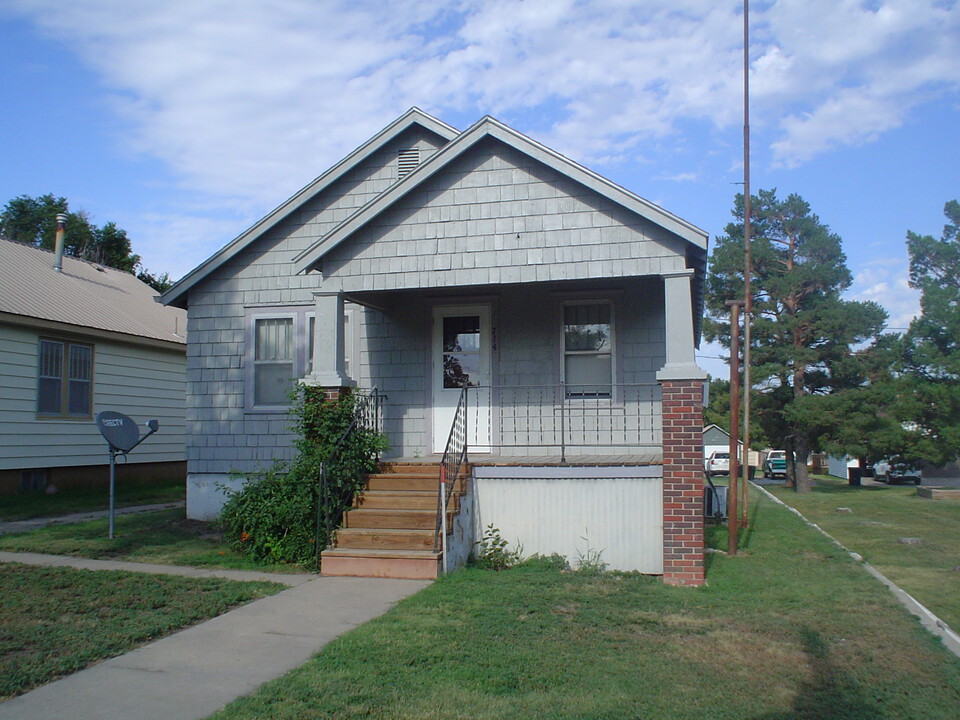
column 804, row 335
column 931, row 367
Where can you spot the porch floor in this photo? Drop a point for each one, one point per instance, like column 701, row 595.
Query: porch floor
column 495, row 460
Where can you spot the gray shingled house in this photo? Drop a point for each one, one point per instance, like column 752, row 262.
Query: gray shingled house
column 438, row 267
column 73, row 343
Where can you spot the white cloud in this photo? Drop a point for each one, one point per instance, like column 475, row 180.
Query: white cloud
column 247, row 100
column 885, row 280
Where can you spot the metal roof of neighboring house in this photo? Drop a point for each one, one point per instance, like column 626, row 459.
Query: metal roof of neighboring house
column 85, row 295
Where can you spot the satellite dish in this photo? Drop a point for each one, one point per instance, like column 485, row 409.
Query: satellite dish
column 120, row 431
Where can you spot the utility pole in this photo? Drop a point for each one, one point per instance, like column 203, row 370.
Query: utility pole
column 732, row 494
column 747, row 265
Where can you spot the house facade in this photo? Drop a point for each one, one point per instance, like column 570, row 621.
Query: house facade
column 75, row 342
column 478, row 267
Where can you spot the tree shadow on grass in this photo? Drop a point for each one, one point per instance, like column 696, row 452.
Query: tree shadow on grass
column 830, row 693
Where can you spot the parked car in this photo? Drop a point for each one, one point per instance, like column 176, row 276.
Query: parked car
column 775, row 464
column 895, row 474
column 718, row 463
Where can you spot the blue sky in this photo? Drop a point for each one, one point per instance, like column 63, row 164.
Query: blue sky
column 184, row 121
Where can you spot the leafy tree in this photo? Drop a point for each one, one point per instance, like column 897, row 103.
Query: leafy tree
column 805, row 338
column 33, row 221
column 717, row 411
column 931, row 363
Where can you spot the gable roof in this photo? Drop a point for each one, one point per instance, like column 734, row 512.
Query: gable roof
column 490, row 127
column 84, row 297
column 414, row 116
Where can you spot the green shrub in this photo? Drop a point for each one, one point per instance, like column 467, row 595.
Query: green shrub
column 492, row 552
column 274, row 516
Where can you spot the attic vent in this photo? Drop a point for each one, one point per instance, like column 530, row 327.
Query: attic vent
column 407, row 161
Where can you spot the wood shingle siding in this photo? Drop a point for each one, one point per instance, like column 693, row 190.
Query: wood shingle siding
column 497, row 216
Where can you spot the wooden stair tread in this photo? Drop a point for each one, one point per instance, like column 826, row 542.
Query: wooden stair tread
column 381, row 553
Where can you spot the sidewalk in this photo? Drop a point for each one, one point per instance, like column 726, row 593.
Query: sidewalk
column 190, row 675
column 16, row 526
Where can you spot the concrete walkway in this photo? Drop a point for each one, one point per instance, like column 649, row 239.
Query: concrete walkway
column 15, row 526
column 190, row 675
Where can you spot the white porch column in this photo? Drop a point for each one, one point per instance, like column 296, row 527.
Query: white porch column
column 678, row 316
column 328, row 342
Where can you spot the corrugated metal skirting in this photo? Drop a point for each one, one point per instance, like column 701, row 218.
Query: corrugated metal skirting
column 552, row 510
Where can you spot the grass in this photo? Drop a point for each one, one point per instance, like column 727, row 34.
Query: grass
column 55, row 621
column 879, row 516
column 163, row 536
column 791, row 628
column 24, row 506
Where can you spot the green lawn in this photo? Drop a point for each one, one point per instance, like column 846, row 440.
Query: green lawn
column 23, row 506
column 790, row 628
column 164, row 536
column 879, row 516
column 55, row 621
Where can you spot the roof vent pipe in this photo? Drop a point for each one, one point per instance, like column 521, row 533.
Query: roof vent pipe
column 58, row 251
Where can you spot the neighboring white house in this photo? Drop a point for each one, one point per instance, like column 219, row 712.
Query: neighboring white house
column 433, row 264
column 716, row 439
column 73, row 343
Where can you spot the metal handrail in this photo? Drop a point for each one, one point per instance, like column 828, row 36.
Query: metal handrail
column 366, row 415
column 454, row 458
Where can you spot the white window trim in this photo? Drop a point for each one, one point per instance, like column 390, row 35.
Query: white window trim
column 613, row 397
column 298, row 315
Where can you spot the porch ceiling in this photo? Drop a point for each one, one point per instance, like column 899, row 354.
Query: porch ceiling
column 382, row 299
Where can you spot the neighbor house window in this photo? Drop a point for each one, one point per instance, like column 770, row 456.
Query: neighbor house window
column 64, row 379
column 587, row 349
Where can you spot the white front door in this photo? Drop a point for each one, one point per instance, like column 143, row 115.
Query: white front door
column 461, row 358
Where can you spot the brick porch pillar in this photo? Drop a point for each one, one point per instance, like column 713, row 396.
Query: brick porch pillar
column 682, row 482
column 681, row 382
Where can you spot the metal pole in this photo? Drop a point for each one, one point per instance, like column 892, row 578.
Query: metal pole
column 443, row 514
column 563, row 431
column 732, row 494
column 747, row 265
column 113, row 455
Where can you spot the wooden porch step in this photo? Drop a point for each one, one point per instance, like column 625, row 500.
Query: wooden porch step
column 412, row 564
column 407, row 483
column 410, row 500
column 393, row 519
column 384, row 539
column 432, row 469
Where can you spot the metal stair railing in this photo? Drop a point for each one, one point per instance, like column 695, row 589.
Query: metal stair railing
column 453, row 461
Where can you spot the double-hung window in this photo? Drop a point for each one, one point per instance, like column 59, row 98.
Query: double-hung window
column 273, row 360
column 280, row 352
column 588, row 349
column 64, row 379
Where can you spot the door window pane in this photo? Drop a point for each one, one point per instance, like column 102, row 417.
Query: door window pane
column 461, row 333
column 461, row 351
